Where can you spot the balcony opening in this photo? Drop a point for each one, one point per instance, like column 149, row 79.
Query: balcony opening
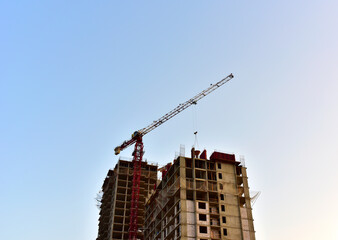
column 212, row 176
column 213, row 197
column 211, row 166
column 212, row 186
column 188, row 173
column 199, row 164
column 202, row 196
column 190, row 195
column 200, row 174
column 188, row 163
column 239, row 170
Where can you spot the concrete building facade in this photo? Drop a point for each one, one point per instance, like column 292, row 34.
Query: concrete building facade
column 200, row 198
column 116, row 198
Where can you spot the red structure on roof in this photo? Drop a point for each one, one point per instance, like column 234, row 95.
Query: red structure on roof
column 203, row 154
column 223, row 156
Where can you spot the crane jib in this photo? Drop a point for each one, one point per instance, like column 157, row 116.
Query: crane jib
column 172, row 113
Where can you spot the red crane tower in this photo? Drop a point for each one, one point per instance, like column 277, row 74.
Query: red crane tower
column 138, row 149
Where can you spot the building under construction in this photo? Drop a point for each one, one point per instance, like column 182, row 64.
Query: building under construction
column 198, row 198
column 115, row 202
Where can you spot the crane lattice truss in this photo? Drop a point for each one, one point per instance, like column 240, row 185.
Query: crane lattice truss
column 138, row 150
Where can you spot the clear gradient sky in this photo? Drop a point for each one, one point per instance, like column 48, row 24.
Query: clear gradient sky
column 78, row 77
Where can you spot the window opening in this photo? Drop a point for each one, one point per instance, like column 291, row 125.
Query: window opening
column 202, row 217
column 202, row 205
column 203, row 229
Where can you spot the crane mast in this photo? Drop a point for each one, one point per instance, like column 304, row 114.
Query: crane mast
column 138, row 149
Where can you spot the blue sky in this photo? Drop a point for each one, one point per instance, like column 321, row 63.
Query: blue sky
column 78, row 77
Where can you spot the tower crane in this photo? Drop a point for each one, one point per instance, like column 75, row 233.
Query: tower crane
column 138, row 149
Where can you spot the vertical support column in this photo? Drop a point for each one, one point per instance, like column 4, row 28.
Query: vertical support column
column 113, row 204
column 183, row 198
column 138, row 153
column 248, row 209
column 238, row 202
column 194, row 188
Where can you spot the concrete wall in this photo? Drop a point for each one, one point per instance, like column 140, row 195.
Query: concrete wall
column 230, row 202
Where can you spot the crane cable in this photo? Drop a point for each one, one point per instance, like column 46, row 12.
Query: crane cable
column 195, row 128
